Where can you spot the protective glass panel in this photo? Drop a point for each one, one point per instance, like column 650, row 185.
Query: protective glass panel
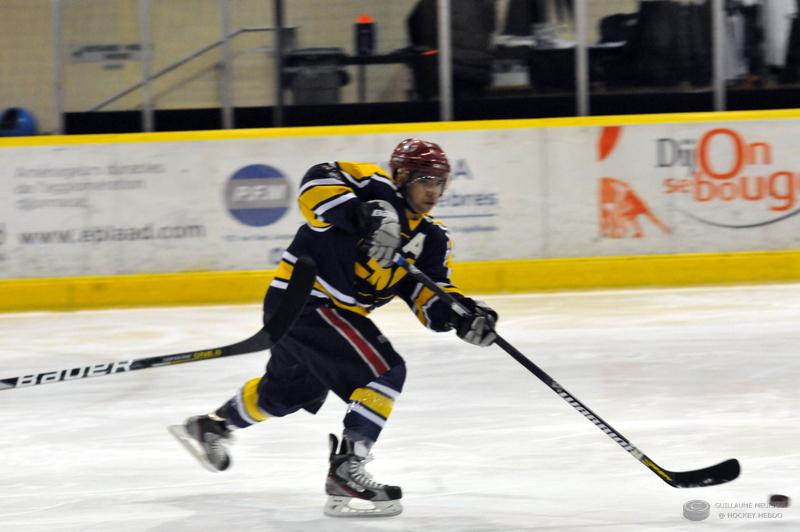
column 649, row 57
column 213, row 63
column 101, row 54
column 535, row 53
column 762, row 59
column 186, row 53
column 251, row 53
column 353, row 51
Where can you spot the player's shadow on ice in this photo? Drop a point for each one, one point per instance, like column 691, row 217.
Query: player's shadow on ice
column 299, row 512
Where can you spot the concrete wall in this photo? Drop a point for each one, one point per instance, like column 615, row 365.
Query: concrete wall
column 26, row 58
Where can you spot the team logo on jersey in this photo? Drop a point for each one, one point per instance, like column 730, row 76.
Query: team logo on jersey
column 257, row 195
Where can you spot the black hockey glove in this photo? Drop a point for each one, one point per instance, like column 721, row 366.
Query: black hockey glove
column 477, row 327
column 381, row 228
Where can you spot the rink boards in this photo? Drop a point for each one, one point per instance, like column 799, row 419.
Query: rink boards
column 202, row 217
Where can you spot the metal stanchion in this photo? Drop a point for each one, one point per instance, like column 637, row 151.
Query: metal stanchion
column 146, row 36
column 445, row 62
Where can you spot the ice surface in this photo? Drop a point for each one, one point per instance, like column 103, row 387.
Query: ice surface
column 690, row 376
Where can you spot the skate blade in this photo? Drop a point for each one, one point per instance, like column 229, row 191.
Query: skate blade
column 191, row 445
column 338, row 506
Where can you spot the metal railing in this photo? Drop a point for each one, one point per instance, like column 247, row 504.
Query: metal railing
column 582, row 92
column 180, row 62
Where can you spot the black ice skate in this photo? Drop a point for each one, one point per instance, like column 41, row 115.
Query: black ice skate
column 205, row 438
column 351, row 490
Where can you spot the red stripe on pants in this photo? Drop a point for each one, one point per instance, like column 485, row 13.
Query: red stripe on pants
column 364, row 348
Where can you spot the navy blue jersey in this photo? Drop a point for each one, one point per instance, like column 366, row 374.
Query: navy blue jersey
column 330, row 198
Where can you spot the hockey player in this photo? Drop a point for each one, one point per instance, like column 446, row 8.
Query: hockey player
column 357, row 218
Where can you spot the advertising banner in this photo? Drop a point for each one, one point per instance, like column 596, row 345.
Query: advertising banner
column 215, row 205
column 673, row 188
column 224, row 204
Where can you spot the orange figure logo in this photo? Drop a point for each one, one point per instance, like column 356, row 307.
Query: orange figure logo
column 620, row 206
column 620, row 210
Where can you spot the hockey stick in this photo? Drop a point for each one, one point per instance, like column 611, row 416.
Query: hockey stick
column 709, row 476
column 299, row 286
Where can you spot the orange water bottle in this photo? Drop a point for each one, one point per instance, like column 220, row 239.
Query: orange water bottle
column 365, row 35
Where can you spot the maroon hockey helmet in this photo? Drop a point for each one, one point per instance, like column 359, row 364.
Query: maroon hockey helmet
column 422, row 157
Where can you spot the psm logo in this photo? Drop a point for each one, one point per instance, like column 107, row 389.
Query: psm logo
column 257, row 195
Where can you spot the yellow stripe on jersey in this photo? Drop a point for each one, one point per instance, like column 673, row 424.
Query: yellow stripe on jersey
column 413, row 223
column 379, row 277
column 362, row 171
column 361, row 271
column 398, row 275
column 308, row 214
column 424, row 297
column 316, row 196
column 377, row 402
column 250, row 400
column 284, row 271
column 420, row 301
column 339, row 303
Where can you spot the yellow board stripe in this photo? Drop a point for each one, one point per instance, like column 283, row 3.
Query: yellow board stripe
column 506, row 276
column 587, row 273
column 395, row 129
column 377, row 402
column 250, row 400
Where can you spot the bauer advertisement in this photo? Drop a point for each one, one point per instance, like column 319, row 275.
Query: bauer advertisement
column 189, row 204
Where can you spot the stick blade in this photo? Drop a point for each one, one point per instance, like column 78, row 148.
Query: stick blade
column 709, row 476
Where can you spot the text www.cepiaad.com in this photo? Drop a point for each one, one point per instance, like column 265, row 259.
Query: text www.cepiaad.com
column 112, row 233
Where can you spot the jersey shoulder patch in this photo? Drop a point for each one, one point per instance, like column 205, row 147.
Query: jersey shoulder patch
column 362, row 171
